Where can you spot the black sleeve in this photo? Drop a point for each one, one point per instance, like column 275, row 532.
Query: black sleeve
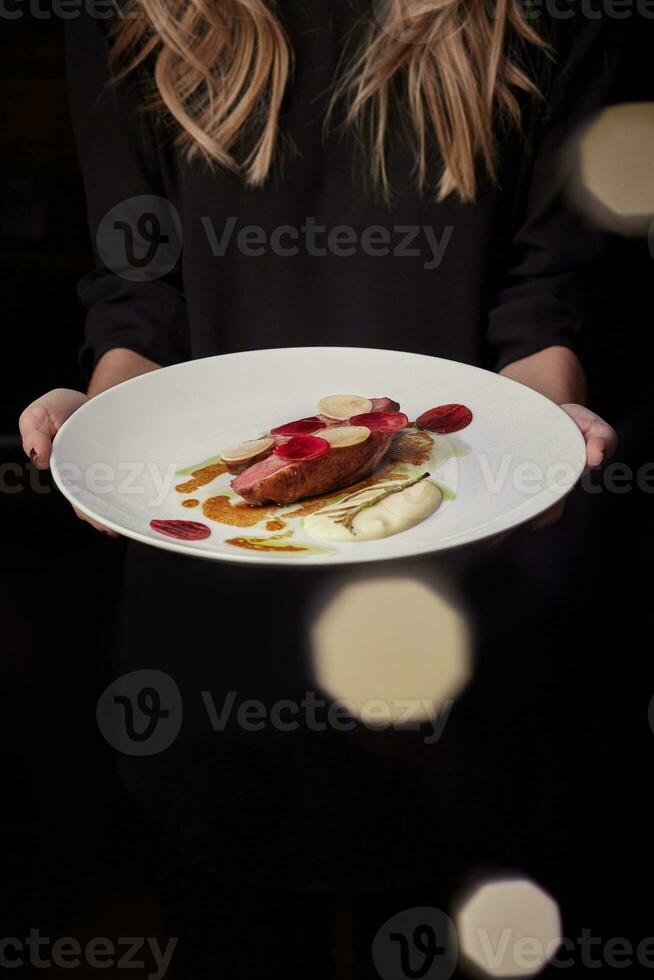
column 134, row 296
column 545, row 294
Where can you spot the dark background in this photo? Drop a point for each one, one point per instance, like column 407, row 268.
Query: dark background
column 75, row 855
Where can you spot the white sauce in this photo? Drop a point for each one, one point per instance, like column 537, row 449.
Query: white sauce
column 397, row 512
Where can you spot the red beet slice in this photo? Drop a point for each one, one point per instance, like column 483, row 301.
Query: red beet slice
column 381, row 421
column 298, row 449
column 445, row 418
column 303, row 427
column 186, row 530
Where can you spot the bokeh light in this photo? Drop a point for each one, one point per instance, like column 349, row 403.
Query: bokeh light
column 391, row 649
column 507, row 927
column 613, row 168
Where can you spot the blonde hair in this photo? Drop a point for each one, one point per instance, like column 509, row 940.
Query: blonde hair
column 450, row 68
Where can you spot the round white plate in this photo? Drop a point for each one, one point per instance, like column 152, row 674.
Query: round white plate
column 118, row 458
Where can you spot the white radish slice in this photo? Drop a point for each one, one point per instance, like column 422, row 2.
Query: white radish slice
column 344, row 435
column 249, row 449
column 343, row 407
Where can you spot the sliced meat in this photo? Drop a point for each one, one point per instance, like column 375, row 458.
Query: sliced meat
column 277, row 480
column 283, row 482
column 378, row 405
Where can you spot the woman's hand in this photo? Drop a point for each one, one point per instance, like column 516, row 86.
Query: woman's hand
column 41, row 420
column 557, row 373
column 601, row 442
column 39, row 424
column 601, row 439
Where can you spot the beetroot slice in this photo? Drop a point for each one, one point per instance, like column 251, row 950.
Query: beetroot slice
column 303, row 427
column 445, row 418
column 298, row 449
column 186, row 530
column 381, row 421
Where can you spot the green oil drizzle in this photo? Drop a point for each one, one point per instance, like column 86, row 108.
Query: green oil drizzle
column 447, row 494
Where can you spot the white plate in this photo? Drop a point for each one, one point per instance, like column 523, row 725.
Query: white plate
column 117, row 457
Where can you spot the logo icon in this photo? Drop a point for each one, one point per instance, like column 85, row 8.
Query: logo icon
column 140, row 239
column 416, row 944
column 140, row 713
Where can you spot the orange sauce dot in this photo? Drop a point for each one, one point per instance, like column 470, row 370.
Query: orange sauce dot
column 275, row 525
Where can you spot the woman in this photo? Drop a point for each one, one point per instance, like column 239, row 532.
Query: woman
column 345, row 172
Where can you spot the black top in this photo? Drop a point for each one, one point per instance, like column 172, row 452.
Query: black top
column 313, row 258
column 317, row 809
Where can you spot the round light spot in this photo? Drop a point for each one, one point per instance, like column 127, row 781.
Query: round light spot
column 394, row 643
column 508, row 927
column 616, row 168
